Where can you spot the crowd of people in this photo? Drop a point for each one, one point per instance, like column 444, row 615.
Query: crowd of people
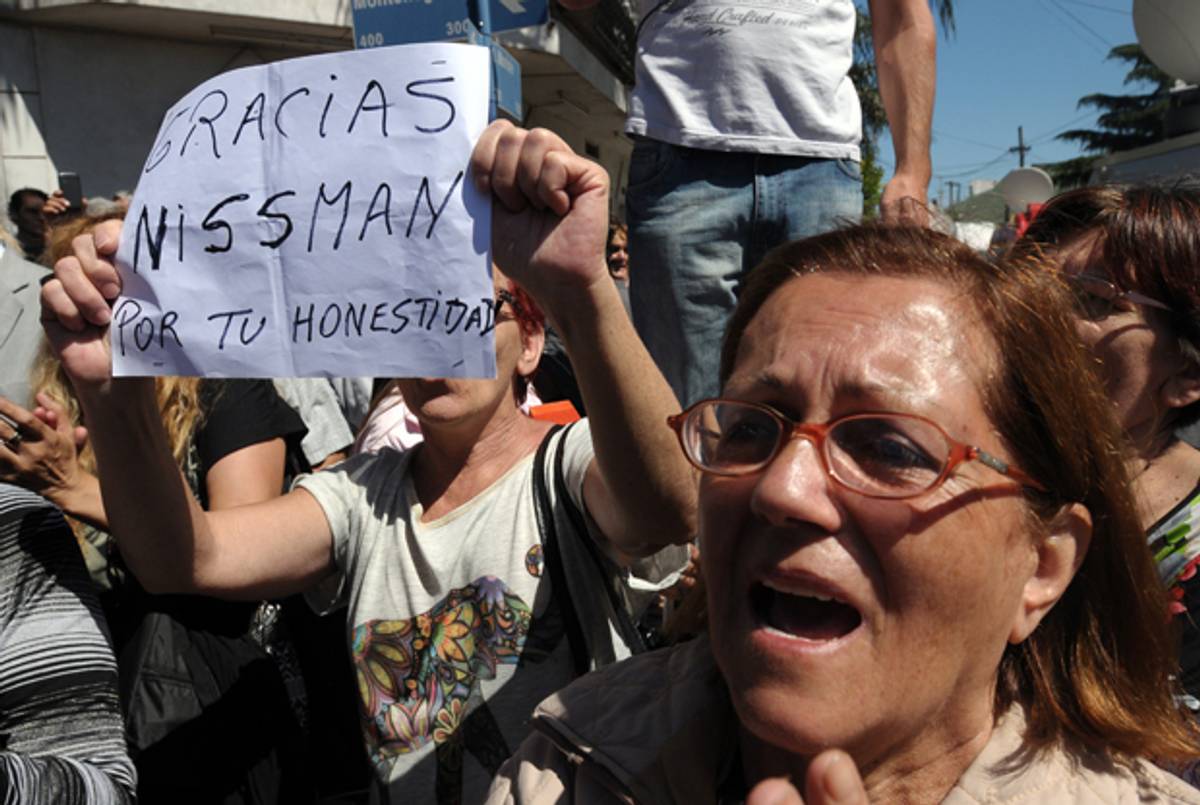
column 919, row 528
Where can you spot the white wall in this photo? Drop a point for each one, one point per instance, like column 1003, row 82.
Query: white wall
column 23, row 158
column 91, row 102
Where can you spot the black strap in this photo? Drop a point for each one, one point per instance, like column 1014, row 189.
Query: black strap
column 544, row 511
column 604, row 566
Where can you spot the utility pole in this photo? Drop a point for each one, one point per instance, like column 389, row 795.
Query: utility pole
column 1021, row 148
column 955, row 192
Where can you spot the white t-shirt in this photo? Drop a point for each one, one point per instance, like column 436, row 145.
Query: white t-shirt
column 767, row 76
column 452, row 633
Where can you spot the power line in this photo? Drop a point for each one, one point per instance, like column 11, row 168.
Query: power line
column 973, row 169
column 1057, row 12
column 1081, row 23
column 966, row 166
column 1047, row 135
column 944, row 135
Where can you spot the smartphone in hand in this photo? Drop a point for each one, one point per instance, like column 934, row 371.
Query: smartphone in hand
column 72, row 189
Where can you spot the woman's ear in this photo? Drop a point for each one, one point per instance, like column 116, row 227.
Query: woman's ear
column 1183, row 387
column 1059, row 555
column 533, row 340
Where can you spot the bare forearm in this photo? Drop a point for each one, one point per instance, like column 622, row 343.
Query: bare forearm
column 628, row 402
column 82, row 500
column 906, row 63
column 158, row 524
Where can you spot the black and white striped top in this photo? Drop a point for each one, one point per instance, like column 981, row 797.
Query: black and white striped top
column 61, row 739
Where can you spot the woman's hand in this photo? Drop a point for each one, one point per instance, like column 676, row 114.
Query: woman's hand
column 44, row 457
column 76, row 305
column 549, row 210
column 832, row 779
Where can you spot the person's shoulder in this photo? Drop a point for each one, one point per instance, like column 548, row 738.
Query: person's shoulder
column 1152, row 784
column 576, row 442
column 16, row 272
column 237, row 393
column 1005, row 773
column 384, row 468
column 1139, row 781
column 240, row 412
column 36, row 544
column 652, row 679
column 659, row 724
column 16, row 501
column 687, row 664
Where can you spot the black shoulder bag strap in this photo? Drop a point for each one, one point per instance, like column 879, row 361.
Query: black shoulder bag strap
column 561, row 593
column 604, row 566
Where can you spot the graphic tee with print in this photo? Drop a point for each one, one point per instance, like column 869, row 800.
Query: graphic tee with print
column 451, row 625
column 764, row 76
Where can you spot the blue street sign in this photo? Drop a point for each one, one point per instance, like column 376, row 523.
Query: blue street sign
column 402, row 21
column 506, row 82
column 397, row 22
column 506, row 76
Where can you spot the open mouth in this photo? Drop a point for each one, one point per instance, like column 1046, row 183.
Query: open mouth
column 807, row 615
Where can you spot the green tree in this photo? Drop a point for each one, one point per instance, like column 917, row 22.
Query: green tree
column 874, row 116
column 1125, row 121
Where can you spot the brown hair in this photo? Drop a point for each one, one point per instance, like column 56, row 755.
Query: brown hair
column 178, row 397
column 1097, row 670
column 614, row 229
column 1146, row 239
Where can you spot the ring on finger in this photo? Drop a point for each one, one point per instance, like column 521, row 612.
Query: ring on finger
column 14, row 441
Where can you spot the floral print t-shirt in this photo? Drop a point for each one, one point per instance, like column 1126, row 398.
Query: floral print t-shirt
column 1175, row 543
column 450, row 623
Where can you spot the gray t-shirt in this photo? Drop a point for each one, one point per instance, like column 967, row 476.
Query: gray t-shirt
column 451, row 626
column 765, row 76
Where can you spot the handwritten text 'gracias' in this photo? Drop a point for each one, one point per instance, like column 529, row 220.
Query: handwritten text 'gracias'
column 212, row 127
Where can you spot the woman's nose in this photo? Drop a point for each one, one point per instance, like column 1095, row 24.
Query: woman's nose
column 795, row 489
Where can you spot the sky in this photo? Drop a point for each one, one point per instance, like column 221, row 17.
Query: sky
column 1019, row 63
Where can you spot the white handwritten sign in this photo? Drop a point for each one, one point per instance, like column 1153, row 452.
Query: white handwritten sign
column 314, row 217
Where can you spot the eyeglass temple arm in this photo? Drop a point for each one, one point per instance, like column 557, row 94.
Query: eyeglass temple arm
column 1004, row 468
column 1134, row 296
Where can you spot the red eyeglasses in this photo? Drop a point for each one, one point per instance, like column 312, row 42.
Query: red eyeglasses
column 880, row 455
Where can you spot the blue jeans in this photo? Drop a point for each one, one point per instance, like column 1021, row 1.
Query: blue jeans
column 698, row 222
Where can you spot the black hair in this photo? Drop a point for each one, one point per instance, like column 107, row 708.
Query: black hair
column 14, row 201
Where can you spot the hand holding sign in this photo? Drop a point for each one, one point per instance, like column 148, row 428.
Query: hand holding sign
column 312, row 217
column 75, row 305
column 549, row 213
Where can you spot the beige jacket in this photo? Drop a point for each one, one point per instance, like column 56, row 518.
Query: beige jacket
column 660, row 729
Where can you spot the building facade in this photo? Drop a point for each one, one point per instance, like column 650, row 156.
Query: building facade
column 84, row 83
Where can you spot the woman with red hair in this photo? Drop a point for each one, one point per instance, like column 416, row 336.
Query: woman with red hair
column 455, row 620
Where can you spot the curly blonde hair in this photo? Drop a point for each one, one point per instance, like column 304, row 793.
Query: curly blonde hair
column 178, row 397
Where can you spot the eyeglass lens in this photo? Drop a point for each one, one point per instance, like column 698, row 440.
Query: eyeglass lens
column 891, row 455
